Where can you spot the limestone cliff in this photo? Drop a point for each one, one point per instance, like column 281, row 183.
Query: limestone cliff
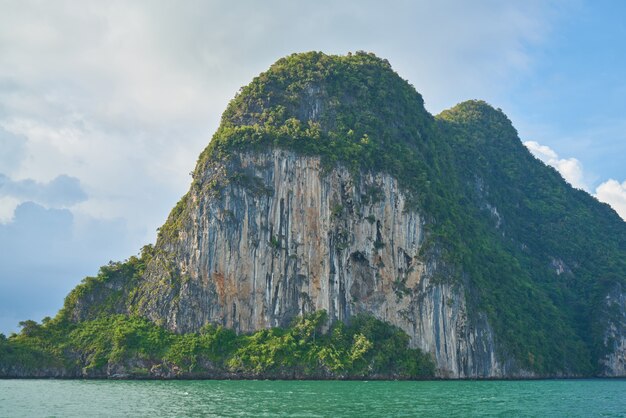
column 614, row 342
column 328, row 186
column 277, row 236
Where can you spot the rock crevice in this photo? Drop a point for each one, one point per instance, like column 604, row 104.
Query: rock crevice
column 281, row 237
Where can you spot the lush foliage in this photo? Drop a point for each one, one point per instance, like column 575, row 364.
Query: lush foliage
column 501, row 219
column 352, row 110
column 345, row 109
column 366, row 347
column 541, row 255
column 534, row 254
column 110, row 292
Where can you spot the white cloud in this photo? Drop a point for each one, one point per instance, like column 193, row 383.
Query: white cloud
column 63, row 191
column 570, row 168
column 13, row 151
column 45, row 252
column 543, row 152
column 7, row 208
column 123, row 96
column 613, row 193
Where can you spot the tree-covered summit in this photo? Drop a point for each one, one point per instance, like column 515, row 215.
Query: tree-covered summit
column 543, row 262
column 538, row 249
column 359, row 92
column 499, row 217
column 351, row 108
column 479, row 111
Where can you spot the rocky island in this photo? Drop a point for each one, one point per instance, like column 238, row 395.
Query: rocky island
column 334, row 229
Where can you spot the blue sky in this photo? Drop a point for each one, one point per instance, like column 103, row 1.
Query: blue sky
column 104, row 106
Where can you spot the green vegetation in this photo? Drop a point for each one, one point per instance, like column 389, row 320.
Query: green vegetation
column 352, row 110
column 330, row 106
column 136, row 347
column 548, row 321
column 110, row 292
column 355, row 111
column 497, row 221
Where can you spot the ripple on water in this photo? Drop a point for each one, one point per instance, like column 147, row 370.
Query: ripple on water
column 76, row 398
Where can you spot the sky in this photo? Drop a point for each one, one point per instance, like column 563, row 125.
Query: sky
column 105, row 106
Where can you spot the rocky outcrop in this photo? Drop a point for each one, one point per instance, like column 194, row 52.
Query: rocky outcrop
column 267, row 236
column 614, row 362
column 503, row 255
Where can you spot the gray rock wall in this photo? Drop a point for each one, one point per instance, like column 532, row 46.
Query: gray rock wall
column 269, row 236
column 615, row 336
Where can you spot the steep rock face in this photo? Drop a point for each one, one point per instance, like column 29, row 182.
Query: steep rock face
column 615, row 336
column 272, row 235
column 502, row 256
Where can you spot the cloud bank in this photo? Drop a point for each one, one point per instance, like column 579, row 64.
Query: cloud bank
column 610, row 191
column 45, row 252
column 63, row 190
column 570, row 168
column 613, row 193
column 105, row 106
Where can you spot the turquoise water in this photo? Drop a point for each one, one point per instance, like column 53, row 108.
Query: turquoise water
column 80, row 398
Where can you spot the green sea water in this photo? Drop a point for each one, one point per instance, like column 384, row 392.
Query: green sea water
column 84, row 398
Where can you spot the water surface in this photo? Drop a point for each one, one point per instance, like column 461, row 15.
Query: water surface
column 85, row 398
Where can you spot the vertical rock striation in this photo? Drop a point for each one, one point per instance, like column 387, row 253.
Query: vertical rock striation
column 614, row 362
column 268, row 236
